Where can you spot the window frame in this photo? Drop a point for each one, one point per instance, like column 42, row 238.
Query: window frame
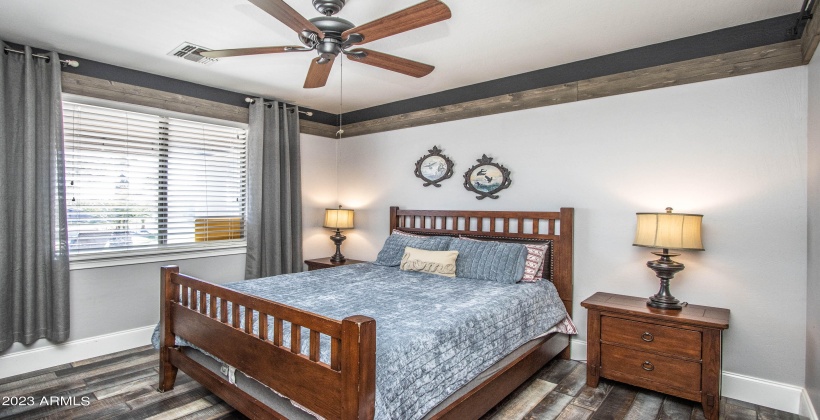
column 160, row 253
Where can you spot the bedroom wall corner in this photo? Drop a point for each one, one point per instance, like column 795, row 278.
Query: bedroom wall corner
column 813, row 252
column 732, row 149
column 319, row 191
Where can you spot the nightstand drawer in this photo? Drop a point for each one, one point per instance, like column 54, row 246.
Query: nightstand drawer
column 651, row 337
column 670, row 371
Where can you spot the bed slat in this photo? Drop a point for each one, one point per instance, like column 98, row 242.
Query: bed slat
column 295, row 338
column 248, row 320
column 315, row 338
column 185, row 293
column 263, row 326
column 203, row 306
column 335, row 361
column 277, row 332
column 235, row 315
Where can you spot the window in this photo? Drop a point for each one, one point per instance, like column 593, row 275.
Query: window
column 137, row 181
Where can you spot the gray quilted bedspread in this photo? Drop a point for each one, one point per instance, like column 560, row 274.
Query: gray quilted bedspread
column 434, row 334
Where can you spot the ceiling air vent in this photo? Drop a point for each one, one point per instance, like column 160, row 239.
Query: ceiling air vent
column 191, row 52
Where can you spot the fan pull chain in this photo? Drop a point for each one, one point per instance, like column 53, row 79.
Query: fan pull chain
column 341, row 93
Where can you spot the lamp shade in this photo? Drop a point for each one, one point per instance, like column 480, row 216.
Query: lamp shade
column 669, row 230
column 338, row 218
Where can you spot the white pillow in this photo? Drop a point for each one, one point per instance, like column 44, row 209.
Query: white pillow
column 442, row 263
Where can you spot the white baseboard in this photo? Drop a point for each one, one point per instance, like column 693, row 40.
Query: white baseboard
column 578, row 350
column 753, row 390
column 763, row 392
column 72, row 351
column 806, row 407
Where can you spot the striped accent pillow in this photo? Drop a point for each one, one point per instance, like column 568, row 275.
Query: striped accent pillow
column 534, row 267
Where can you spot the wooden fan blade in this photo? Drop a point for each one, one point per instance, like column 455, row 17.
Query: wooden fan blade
column 425, row 13
column 318, row 73
column 392, row 63
column 247, row 51
column 285, row 14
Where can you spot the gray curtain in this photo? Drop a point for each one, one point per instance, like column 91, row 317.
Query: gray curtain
column 33, row 240
column 274, row 215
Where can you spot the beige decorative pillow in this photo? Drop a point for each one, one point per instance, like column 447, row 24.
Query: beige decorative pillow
column 442, row 263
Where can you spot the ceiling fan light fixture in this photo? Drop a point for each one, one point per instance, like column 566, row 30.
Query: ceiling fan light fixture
column 329, row 36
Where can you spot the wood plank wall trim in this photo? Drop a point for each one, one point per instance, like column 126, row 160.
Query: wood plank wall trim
column 105, row 89
column 736, row 63
column 317, row 129
column 811, row 35
column 78, row 84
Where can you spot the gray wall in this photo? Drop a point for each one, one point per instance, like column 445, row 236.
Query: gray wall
column 813, row 278
column 732, row 149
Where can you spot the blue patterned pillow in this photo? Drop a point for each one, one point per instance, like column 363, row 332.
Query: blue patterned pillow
column 393, row 248
column 495, row 261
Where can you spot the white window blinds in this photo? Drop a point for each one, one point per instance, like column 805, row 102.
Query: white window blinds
column 140, row 181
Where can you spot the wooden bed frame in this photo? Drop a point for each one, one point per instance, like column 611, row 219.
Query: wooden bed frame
column 345, row 388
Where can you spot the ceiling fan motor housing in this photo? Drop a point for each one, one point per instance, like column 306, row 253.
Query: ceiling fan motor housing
column 328, row 7
column 331, row 45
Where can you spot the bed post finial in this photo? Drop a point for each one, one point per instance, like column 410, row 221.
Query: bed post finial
column 358, row 367
column 394, row 218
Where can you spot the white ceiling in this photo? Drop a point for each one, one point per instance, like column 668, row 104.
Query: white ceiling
column 484, row 40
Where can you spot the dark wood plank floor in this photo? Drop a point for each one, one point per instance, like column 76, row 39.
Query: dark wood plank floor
column 123, row 386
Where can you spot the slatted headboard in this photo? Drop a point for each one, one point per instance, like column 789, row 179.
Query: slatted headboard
column 536, row 226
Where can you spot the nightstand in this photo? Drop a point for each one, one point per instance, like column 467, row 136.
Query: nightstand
column 673, row 352
column 320, row 263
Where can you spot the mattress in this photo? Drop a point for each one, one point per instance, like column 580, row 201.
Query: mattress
column 434, row 334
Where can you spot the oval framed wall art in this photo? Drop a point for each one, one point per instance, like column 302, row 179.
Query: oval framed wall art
column 434, row 167
column 487, row 178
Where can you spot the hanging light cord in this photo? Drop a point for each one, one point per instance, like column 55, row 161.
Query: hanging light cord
column 341, row 94
column 340, row 132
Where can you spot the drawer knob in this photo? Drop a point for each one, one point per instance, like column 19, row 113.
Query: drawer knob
column 648, row 337
column 648, row 366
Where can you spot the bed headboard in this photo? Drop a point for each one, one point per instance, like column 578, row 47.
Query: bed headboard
column 537, row 226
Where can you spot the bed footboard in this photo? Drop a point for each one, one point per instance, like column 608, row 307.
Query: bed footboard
column 219, row 321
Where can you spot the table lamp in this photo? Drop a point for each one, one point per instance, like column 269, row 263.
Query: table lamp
column 338, row 219
column 667, row 231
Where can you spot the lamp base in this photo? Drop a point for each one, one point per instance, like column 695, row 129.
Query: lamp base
column 337, row 239
column 665, row 269
column 660, row 303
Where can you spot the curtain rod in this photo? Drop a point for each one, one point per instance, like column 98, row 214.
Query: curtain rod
column 308, row 113
column 72, row 63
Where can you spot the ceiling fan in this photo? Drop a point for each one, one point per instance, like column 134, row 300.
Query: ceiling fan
column 330, row 36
